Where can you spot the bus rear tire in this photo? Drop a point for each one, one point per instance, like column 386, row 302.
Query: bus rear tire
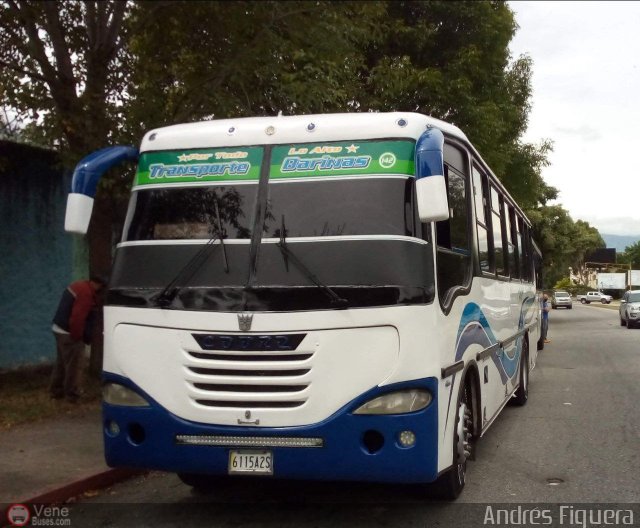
column 521, row 395
column 451, row 483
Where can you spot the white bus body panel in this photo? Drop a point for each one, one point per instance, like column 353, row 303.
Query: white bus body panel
column 501, row 302
column 293, row 129
column 353, row 351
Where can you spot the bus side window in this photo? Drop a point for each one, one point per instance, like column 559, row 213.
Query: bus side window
column 537, row 264
column 524, row 254
column 452, row 238
column 481, row 204
column 496, row 222
column 512, row 242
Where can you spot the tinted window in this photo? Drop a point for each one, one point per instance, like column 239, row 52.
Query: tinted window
column 511, row 241
column 365, row 206
column 483, row 249
column 496, row 224
column 454, row 256
column 478, row 196
column 481, row 201
column 634, row 297
column 190, row 213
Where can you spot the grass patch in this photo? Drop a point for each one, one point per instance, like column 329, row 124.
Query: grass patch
column 24, row 397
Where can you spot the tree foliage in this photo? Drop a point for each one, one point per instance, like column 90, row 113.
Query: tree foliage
column 565, row 284
column 61, row 69
column 194, row 61
column 563, row 242
column 84, row 74
column 631, row 256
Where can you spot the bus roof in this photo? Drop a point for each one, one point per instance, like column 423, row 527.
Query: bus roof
column 299, row 129
column 245, row 131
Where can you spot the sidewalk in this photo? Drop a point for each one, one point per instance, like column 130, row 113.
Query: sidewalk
column 54, row 459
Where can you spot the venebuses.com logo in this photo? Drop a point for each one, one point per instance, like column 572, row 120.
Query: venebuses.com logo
column 38, row 515
column 18, row 515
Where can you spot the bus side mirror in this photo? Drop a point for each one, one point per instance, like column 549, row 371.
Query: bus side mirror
column 78, row 215
column 433, row 205
column 431, row 188
column 84, row 184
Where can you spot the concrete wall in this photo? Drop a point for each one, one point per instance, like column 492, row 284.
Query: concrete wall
column 35, row 252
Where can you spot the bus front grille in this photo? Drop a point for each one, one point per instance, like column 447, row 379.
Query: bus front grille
column 250, row 378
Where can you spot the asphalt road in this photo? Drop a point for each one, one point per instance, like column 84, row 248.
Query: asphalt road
column 576, row 441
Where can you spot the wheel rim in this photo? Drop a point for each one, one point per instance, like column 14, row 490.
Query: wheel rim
column 463, row 435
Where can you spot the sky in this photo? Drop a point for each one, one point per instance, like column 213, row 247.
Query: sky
column 586, row 99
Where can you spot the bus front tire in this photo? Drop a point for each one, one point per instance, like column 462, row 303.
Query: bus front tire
column 451, row 483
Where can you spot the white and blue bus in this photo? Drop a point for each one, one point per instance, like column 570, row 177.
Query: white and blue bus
column 333, row 297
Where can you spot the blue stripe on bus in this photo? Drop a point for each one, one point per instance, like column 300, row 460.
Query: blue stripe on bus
column 343, row 456
column 90, row 169
column 474, row 328
column 429, row 154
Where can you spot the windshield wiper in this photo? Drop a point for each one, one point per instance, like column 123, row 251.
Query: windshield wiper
column 336, row 300
column 169, row 292
column 220, row 235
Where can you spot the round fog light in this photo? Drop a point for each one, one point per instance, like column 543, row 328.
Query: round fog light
column 113, row 428
column 407, row 438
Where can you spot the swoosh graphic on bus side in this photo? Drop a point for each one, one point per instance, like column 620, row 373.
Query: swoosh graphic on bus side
column 474, row 328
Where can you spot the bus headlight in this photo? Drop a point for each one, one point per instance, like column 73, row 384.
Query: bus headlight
column 116, row 394
column 397, row 402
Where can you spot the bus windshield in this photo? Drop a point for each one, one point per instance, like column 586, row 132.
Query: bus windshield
column 387, row 263
column 365, row 206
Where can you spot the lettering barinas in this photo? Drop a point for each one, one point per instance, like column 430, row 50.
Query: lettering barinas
column 325, row 163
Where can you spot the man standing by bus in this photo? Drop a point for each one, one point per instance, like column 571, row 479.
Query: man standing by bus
column 546, row 306
column 72, row 328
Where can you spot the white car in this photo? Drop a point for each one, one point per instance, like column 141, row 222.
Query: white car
column 561, row 298
column 630, row 309
column 595, row 296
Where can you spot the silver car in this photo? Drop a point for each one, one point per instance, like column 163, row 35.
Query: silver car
column 561, row 298
column 630, row 309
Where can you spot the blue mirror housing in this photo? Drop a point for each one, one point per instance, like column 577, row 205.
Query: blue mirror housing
column 431, row 189
column 84, row 184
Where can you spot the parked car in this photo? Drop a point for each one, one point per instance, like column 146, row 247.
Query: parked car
column 630, row 309
column 595, row 296
column 561, row 298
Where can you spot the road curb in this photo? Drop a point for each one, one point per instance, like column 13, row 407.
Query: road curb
column 96, row 481
column 605, row 306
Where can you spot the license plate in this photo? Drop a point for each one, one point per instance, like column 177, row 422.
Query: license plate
column 252, row 462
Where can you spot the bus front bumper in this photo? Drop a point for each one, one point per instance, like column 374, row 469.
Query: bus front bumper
column 353, row 447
